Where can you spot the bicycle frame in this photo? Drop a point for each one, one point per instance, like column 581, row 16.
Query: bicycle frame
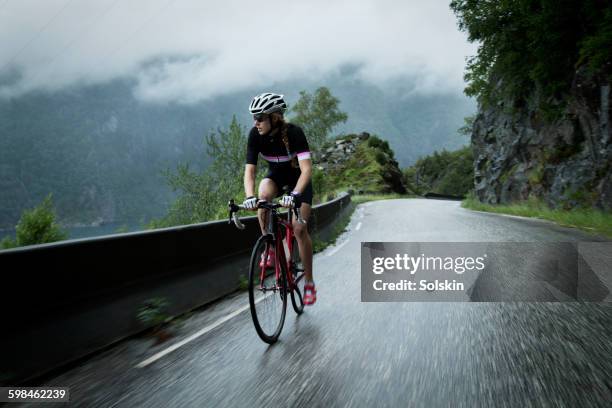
column 276, row 224
column 275, row 232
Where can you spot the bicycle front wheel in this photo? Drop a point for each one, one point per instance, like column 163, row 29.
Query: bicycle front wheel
column 297, row 270
column 267, row 294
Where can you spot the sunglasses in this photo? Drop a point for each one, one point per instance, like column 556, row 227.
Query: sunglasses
column 260, row 117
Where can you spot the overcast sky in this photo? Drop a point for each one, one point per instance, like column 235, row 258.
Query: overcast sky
column 189, row 50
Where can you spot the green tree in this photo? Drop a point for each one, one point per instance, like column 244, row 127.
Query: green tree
column 529, row 48
column 317, row 115
column 468, row 124
column 227, row 148
column 443, row 172
column 203, row 196
column 36, row 226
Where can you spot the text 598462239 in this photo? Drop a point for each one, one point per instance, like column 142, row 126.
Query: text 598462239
column 34, row 394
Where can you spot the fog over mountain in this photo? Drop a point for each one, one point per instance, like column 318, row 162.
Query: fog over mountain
column 214, row 48
column 101, row 151
column 98, row 97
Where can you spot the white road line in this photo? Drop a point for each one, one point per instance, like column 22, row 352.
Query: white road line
column 219, row 322
column 337, row 248
column 194, row 336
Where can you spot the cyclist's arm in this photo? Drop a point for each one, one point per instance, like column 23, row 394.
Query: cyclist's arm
column 306, row 169
column 249, row 180
column 251, row 163
column 300, row 144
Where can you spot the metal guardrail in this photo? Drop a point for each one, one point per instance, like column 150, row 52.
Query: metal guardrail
column 67, row 299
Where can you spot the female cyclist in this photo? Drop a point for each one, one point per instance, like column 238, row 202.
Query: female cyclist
column 284, row 146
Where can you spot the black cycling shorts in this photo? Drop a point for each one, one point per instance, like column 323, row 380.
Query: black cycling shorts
column 290, row 179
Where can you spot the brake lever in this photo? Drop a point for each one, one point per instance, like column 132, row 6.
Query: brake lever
column 233, row 215
column 230, row 206
column 237, row 222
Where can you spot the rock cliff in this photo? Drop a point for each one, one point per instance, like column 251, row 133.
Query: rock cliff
column 566, row 161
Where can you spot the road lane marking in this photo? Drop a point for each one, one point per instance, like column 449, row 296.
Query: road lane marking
column 222, row 320
column 337, row 248
column 194, row 336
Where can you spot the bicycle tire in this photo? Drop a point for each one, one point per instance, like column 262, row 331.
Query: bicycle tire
column 297, row 269
column 268, row 305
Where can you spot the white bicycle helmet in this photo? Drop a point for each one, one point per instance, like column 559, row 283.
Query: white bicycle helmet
column 267, row 103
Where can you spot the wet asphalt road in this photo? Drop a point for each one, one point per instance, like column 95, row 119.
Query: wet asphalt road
column 343, row 352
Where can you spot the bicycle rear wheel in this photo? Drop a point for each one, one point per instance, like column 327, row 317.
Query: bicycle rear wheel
column 297, row 269
column 267, row 296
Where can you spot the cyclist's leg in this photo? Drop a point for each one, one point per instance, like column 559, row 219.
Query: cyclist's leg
column 302, row 235
column 268, row 189
column 304, row 241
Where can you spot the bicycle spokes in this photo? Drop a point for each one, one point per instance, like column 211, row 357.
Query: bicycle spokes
column 297, row 285
column 267, row 292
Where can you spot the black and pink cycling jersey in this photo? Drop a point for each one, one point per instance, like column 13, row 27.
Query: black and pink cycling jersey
column 274, row 151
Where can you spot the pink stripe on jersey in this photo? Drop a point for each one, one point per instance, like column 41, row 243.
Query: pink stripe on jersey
column 276, row 159
column 303, row 155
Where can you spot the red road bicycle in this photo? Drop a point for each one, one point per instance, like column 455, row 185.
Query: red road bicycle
column 275, row 268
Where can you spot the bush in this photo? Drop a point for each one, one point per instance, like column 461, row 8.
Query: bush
column 319, row 183
column 380, row 157
column 385, row 147
column 7, row 243
column 36, row 226
column 153, row 311
column 375, row 142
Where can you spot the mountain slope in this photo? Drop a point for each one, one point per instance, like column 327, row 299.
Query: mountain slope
column 101, row 152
